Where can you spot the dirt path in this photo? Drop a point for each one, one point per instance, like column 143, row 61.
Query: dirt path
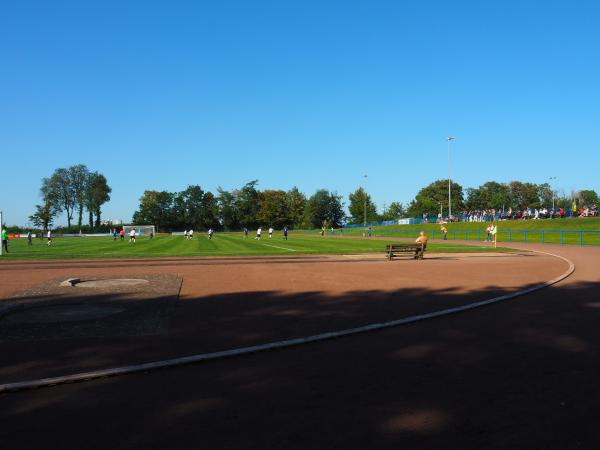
column 515, row 375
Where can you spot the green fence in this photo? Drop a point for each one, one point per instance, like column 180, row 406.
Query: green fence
column 573, row 237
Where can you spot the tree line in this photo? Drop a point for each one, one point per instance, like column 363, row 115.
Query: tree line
column 72, row 190
column 238, row 208
column 494, row 195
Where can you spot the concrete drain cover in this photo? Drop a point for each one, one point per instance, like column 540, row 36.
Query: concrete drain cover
column 116, row 282
column 61, row 313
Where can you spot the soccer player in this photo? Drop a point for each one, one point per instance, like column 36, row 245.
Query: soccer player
column 258, row 232
column 210, row 233
column 132, row 236
column 49, row 235
column 122, row 234
column 29, row 238
column 185, row 234
column 444, row 232
column 4, row 239
column 270, row 232
column 285, row 233
column 190, row 234
column 245, row 232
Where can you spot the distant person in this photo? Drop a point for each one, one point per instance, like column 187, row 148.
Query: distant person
column 322, row 231
column 49, row 237
column 185, row 234
column 122, row 234
column 444, row 231
column 4, row 240
column 285, row 233
column 258, row 232
column 369, row 231
column 332, row 231
column 245, row 232
column 151, row 234
column 210, row 233
column 422, row 239
column 190, row 235
column 29, row 236
column 115, row 234
column 488, row 231
column 132, row 236
column 270, row 232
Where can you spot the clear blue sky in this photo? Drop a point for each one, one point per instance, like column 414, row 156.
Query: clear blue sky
column 159, row 95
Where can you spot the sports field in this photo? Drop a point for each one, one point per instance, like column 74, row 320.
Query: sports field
column 222, row 244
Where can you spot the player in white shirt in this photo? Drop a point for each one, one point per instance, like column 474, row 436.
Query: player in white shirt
column 190, row 234
column 258, row 232
column 132, row 236
column 49, row 238
column 185, row 234
column 210, row 233
column 270, row 232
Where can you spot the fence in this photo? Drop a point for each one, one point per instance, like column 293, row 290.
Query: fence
column 574, row 237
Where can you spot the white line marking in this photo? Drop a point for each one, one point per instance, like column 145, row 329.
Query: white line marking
column 282, row 248
column 86, row 376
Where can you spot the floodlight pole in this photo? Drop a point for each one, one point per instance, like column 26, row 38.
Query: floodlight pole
column 365, row 203
column 552, row 189
column 1, row 225
column 450, row 139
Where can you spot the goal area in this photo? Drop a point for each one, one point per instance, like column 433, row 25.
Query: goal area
column 140, row 230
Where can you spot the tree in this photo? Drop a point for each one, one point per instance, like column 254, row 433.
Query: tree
column 227, row 210
column 587, row 197
column 357, row 207
column 393, row 212
column 427, row 201
column 44, row 215
column 524, row 195
column 247, row 204
column 324, row 208
column 156, row 208
column 274, row 209
column 97, row 193
column 58, row 189
column 296, row 202
column 78, row 176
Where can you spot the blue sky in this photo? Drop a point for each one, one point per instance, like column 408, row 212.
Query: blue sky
column 159, row 95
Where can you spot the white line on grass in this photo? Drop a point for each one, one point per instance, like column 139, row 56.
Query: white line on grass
column 282, row 248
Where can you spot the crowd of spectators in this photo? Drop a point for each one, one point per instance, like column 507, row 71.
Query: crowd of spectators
column 489, row 215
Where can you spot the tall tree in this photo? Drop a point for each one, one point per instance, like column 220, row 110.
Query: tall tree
column 587, row 197
column 296, row 202
column 227, row 209
column 59, row 190
column 78, row 178
column 428, row 199
column 274, row 209
column 324, row 208
column 247, row 204
column 97, row 193
column 358, row 199
column 156, row 208
column 524, row 195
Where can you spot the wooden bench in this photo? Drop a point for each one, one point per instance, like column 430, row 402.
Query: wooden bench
column 418, row 250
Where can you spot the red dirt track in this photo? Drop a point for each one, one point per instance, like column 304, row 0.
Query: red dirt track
column 519, row 374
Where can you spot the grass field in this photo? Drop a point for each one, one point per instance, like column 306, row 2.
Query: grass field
column 222, row 244
column 565, row 231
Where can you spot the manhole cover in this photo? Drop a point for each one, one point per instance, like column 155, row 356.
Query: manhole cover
column 116, row 282
column 61, row 313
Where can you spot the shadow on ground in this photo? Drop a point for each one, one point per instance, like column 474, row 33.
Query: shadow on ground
column 515, row 375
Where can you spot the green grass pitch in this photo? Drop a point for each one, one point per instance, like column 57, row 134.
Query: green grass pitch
column 222, row 244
